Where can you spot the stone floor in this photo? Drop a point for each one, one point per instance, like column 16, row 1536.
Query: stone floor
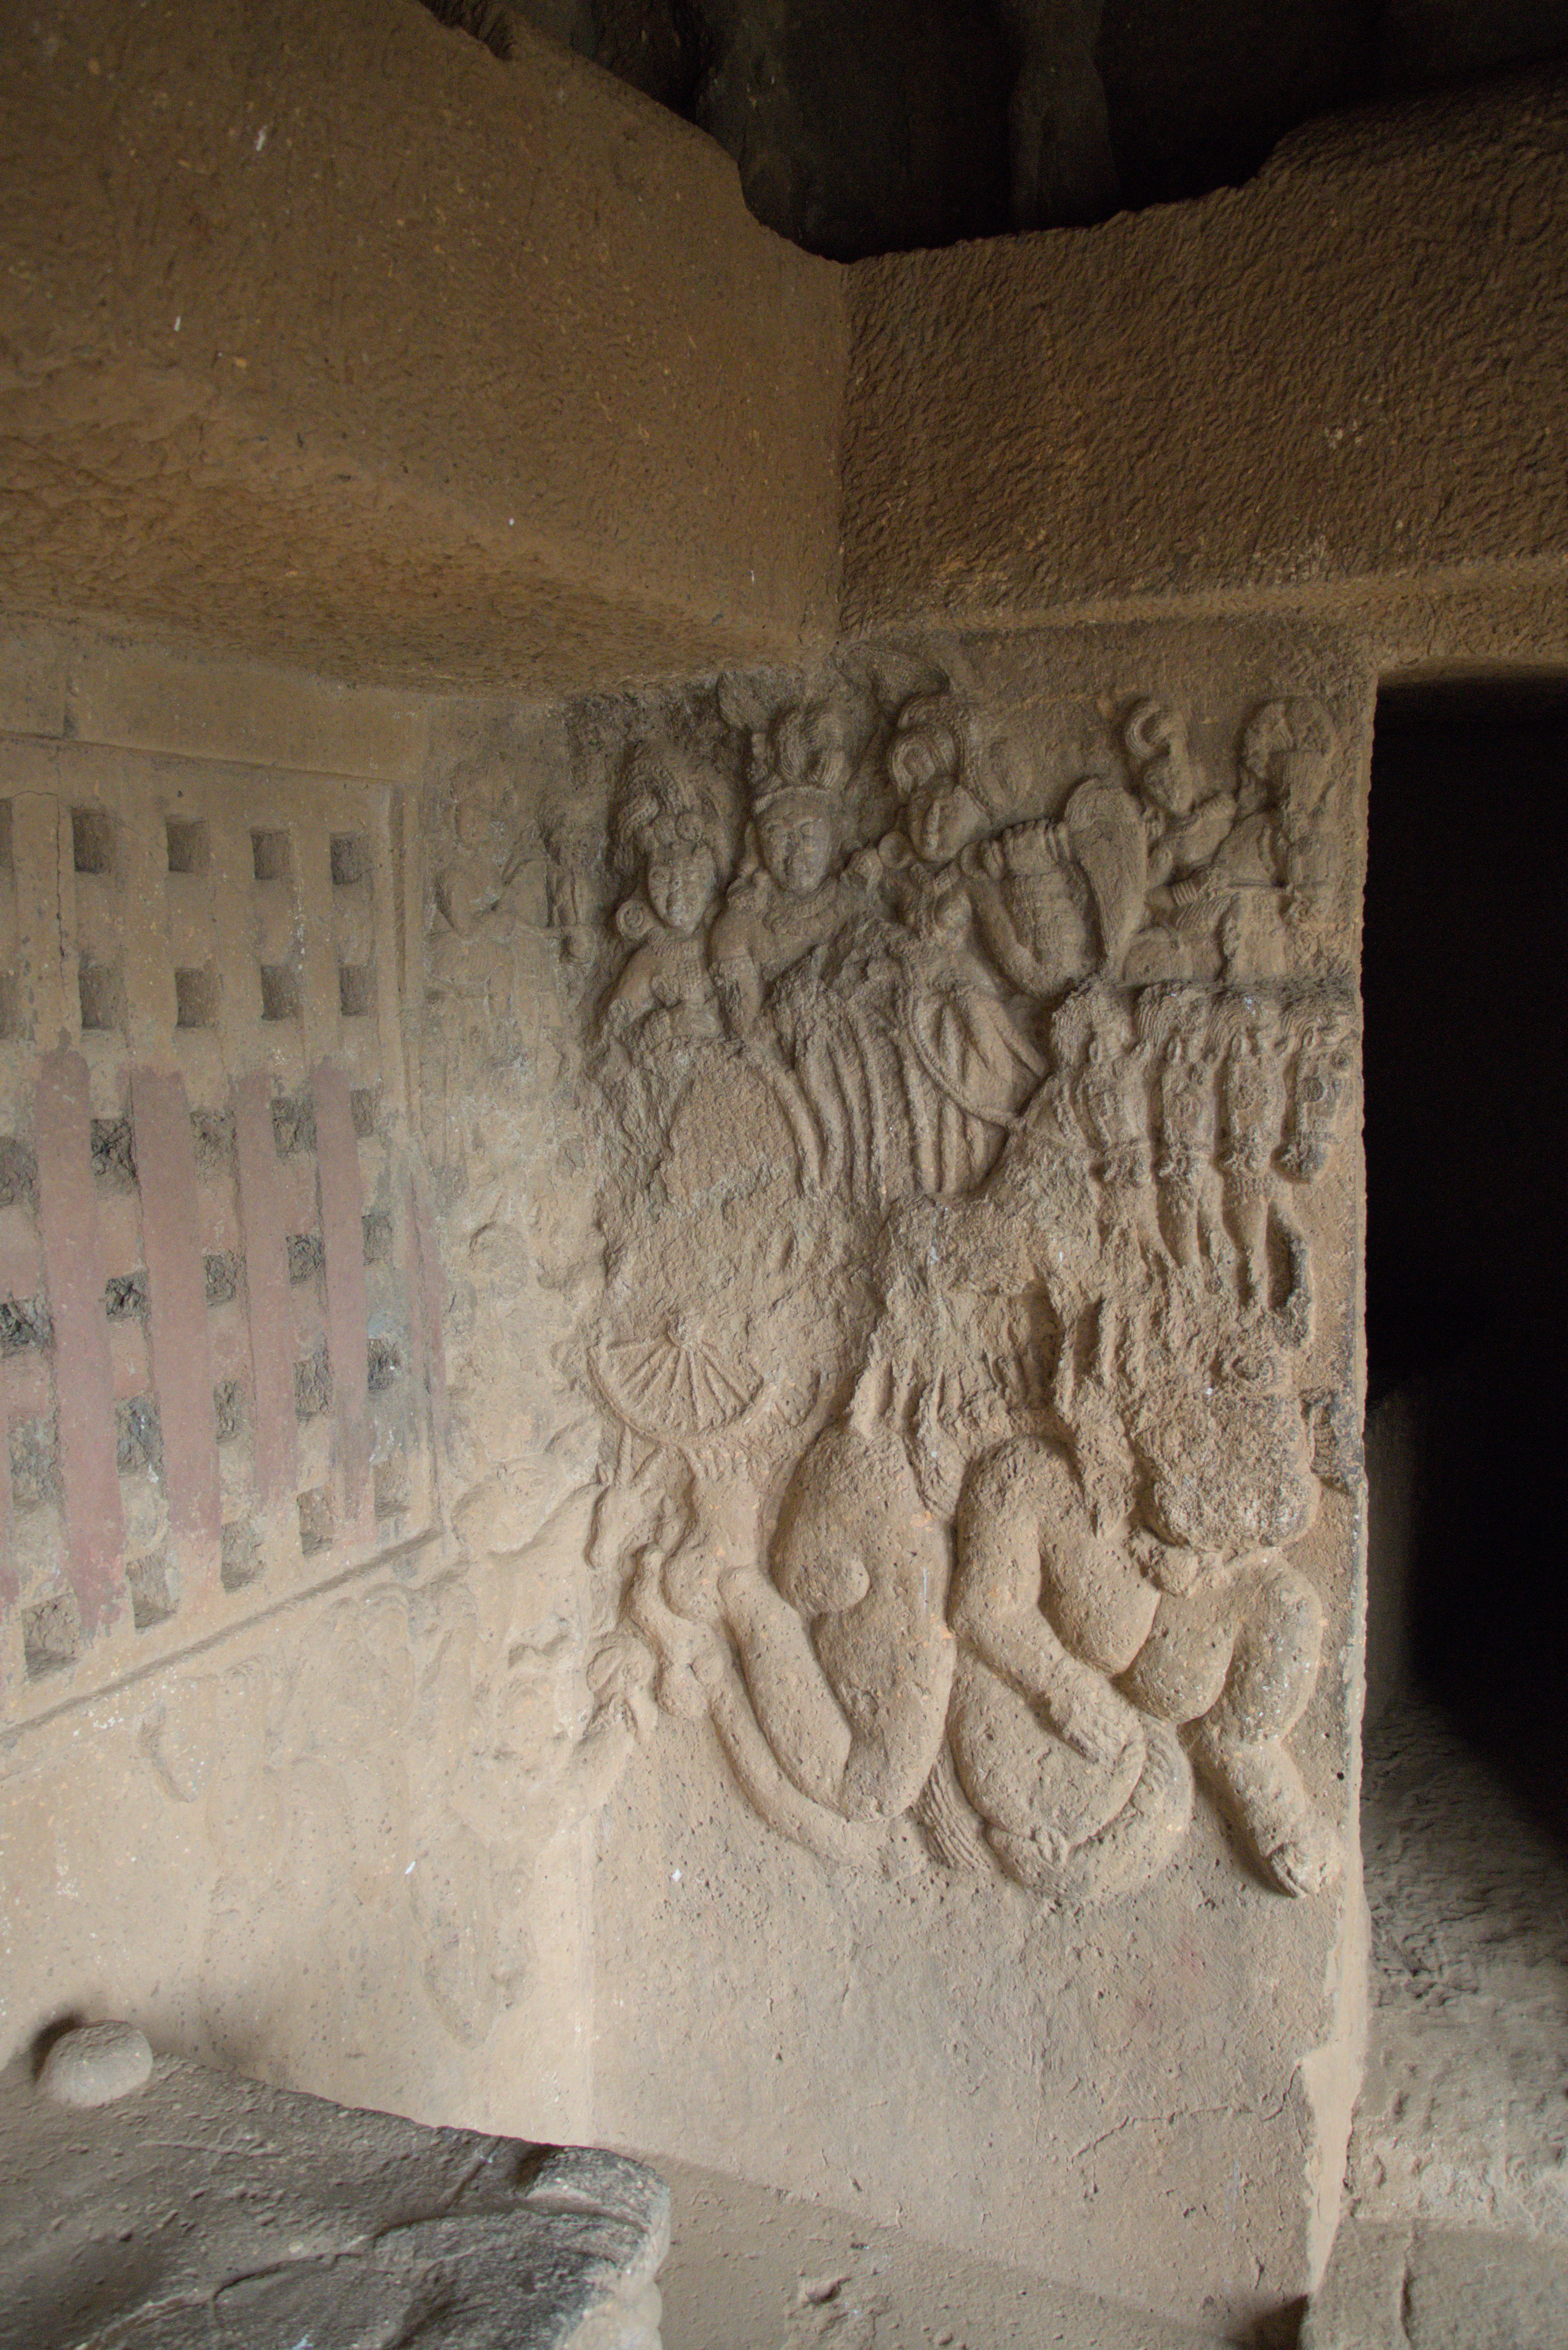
column 1463, row 2118
column 755, row 2270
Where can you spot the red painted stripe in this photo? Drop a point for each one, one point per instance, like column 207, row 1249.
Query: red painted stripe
column 342, row 1206
column 177, row 1321
column 266, row 1288
column 84, row 1387
column 10, row 1581
column 21, row 1275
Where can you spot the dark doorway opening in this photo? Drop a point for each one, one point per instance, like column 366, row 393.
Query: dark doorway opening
column 1466, row 995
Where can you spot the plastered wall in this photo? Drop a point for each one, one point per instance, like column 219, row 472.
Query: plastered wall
column 267, row 1719
column 486, row 369
column 1341, row 377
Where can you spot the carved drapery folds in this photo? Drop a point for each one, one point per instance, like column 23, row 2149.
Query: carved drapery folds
column 955, row 1120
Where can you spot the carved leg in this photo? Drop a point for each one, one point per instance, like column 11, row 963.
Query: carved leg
column 1067, row 1829
column 1129, row 1852
column 676, row 1641
column 1179, row 1221
column 1239, row 1745
column 1246, row 1218
column 798, row 1713
column 765, row 1786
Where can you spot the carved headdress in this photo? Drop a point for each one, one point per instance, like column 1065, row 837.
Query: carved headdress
column 804, row 758
column 1286, row 753
column 665, row 794
column 934, row 735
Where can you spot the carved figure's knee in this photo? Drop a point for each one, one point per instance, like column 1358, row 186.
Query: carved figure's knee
column 1274, row 1664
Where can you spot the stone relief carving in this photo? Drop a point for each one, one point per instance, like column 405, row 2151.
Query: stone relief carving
column 950, row 1122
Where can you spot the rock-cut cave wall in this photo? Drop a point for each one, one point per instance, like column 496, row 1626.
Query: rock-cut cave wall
column 683, row 1360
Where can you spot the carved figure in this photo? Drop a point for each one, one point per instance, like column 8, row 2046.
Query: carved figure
column 788, row 898
column 954, row 1323
column 1191, row 1622
column 1273, row 865
column 668, row 825
column 574, row 873
column 1082, row 1800
column 1173, row 1021
column 910, row 1063
column 483, row 858
column 1251, row 1097
column 1184, row 825
column 861, row 1557
column 1057, row 899
column 1320, row 1026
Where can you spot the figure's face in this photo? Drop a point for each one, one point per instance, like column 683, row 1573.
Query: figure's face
column 680, row 881
column 797, row 842
column 1264, row 756
column 941, row 818
column 1228, row 1468
column 1168, row 782
column 1302, row 779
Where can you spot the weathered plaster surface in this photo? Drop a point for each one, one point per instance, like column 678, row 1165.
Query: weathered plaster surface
column 357, row 349
column 293, row 1769
column 1347, row 374
column 483, row 375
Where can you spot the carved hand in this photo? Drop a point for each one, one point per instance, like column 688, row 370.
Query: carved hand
column 985, row 857
column 1166, row 1565
column 1088, row 1714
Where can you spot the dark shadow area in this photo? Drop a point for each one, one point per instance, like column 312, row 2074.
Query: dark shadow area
column 884, row 125
column 1466, row 996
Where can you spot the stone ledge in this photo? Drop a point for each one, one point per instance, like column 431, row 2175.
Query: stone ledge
column 199, row 2207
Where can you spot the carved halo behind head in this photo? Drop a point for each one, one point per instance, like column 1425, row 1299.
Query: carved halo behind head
column 1156, row 740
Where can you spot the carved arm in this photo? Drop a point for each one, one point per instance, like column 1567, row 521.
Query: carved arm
column 996, row 1609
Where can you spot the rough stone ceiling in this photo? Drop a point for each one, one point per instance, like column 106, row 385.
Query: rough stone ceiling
column 892, row 124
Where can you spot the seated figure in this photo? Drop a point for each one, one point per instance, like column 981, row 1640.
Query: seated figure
column 1085, row 1642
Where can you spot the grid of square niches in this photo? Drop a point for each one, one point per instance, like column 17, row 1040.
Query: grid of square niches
column 272, row 925
column 263, row 1555
column 240, row 901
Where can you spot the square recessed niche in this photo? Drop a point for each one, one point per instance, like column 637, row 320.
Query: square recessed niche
column 356, row 990
column 350, row 859
column 271, row 855
column 189, row 844
column 100, row 996
column 279, row 992
column 92, row 840
column 51, row 1634
column 196, row 998
column 152, row 1593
